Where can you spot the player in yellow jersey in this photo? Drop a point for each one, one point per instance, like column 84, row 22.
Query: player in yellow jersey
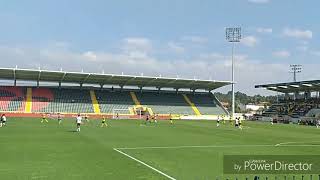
column 86, row 118
column 59, row 118
column 171, row 119
column 44, row 118
column 223, row 119
column 104, row 122
column 155, row 118
column 240, row 123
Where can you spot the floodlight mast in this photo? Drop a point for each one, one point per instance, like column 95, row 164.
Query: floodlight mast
column 295, row 69
column 233, row 35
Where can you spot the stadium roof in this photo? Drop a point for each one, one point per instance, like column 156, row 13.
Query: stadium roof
column 292, row 87
column 108, row 79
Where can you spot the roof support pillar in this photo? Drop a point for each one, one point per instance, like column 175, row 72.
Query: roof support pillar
column 62, row 78
column 39, row 75
column 307, row 95
column 140, row 89
column 286, row 96
column 295, row 95
column 14, row 77
column 81, row 85
column 159, row 89
column 121, row 88
column 101, row 86
column 177, row 90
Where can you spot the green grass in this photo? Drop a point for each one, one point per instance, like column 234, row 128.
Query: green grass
column 33, row 150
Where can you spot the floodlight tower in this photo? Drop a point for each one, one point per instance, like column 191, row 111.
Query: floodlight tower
column 295, row 69
column 233, row 35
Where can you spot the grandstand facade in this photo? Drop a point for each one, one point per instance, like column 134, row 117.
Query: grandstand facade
column 299, row 102
column 152, row 95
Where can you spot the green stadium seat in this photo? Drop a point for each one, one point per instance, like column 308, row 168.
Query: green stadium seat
column 165, row 103
column 207, row 104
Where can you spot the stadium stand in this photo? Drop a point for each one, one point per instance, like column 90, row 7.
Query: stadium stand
column 94, row 100
column 207, row 104
column 61, row 100
column 12, row 98
column 72, row 100
column 298, row 103
column 165, row 103
column 293, row 108
column 108, row 100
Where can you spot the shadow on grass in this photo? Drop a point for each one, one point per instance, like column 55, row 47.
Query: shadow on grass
column 72, row 131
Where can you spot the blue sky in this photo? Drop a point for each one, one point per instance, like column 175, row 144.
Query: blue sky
column 167, row 37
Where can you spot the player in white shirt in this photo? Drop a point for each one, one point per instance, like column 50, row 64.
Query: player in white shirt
column 78, row 121
column 218, row 121
column 3, row 120
column 237, row 123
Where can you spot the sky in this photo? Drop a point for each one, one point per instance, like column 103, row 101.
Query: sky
column 171, row 38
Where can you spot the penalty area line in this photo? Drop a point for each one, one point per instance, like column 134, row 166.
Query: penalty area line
column 143, row 163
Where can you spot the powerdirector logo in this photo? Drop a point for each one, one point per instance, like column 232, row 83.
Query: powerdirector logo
column 271, row 164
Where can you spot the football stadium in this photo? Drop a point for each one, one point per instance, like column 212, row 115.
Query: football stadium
column 152, row 90
column 150, row 132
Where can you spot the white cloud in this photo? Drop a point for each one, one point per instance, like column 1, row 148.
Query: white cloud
column 90, row 55
column 213, row 56
column 259, row 1
column 303, row 48
column 249, row 41
column 139, row 44
column 297, row 33
column 207, row 66
column 315, row 53
column 195, row 39
column 176, row 47
column 281, row 54
column 264, row 30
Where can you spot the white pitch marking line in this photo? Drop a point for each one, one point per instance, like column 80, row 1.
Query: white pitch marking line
column 301, row 145
column 288, row 143
column 180, row 147
column 37, row 177
column 285, row 143
column 218, row 146
column 145, row 164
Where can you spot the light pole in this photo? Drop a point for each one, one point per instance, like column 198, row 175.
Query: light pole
column 296, row 68
column 233, row 35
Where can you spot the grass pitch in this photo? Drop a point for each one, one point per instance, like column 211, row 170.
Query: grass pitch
column 186, row 150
